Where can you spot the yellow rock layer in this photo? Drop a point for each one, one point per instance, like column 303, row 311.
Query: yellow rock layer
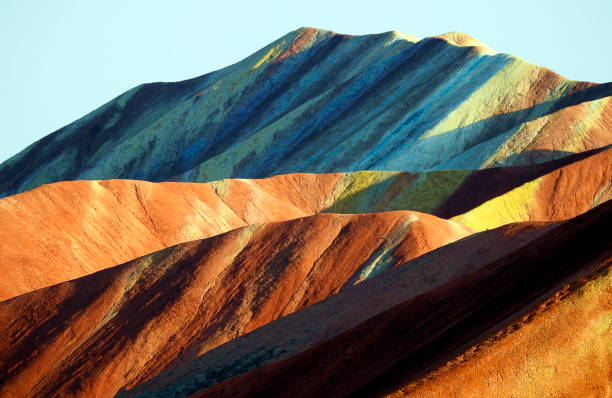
column 513, row 206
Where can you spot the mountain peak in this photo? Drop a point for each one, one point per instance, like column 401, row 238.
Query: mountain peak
column 298, row 105
column 397, row 35
column 465, row 40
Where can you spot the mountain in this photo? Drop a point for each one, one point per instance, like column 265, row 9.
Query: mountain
column 65, row 230
column 117, row 327
column 334, row 215
column 317, row 101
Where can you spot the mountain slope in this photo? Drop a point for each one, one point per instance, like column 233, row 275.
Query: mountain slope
column 317, row 101
column 561, row 348
column 66, row 230
column 314, row 325
column 118, row 327
column 506, row 300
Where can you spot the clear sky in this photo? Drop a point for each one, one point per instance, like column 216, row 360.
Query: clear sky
column 61, row 59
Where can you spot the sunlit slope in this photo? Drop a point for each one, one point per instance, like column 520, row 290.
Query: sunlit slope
column 121, row 326
column 69, row 229
column 65, row 230
column 317, row 101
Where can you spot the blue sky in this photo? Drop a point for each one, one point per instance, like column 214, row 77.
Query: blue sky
column 61, row 59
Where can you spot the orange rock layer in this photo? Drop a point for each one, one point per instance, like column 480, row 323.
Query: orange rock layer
column 316, row 324
column 66, row 230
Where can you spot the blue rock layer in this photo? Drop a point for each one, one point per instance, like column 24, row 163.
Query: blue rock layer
column 317, row 101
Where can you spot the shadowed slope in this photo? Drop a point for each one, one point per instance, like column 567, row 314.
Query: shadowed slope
column 558, row 195
column 482, row 185
column 449, row 193
column 317, row 101
column 417, row 335
column 486, row 199
column 297, row 332
column 560, row 348
column 118, row 327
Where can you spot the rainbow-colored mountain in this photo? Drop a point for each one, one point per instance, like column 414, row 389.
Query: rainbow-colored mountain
column 334, row 215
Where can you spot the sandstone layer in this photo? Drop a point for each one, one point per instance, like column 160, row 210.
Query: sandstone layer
column 66, row 230
column 303, row 330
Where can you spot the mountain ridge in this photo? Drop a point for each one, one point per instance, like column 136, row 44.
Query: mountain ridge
column 287, row 107
column 441, row 334
column 65, row 230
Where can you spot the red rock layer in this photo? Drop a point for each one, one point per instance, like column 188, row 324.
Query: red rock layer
column 511, row 295
column 577, row 128
column 314, row 325
column 121, row 326
column 575, row 188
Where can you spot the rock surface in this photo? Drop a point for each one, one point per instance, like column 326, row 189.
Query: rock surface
column 178, row 240
column 314, row 325
column 66, row 230
column 561, row 194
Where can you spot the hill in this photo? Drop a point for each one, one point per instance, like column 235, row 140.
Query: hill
column 118, row 327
